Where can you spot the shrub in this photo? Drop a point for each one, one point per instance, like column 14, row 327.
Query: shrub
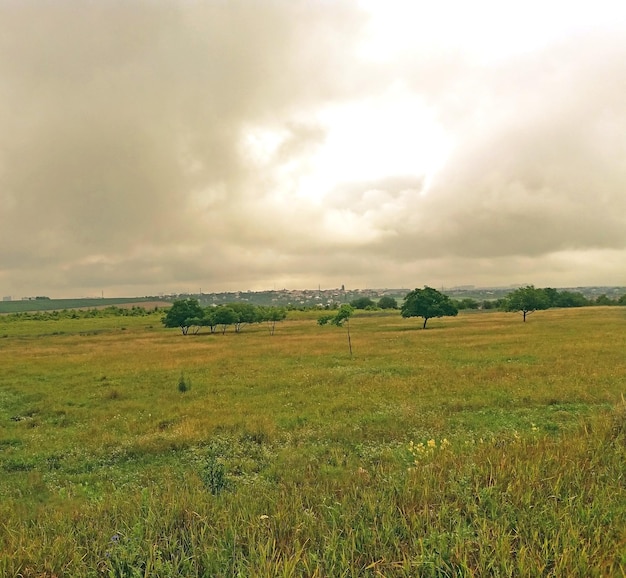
column 387, row 302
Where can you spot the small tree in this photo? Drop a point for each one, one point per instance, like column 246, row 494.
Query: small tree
column 196, row 323
column 467, row 303
column 183, row 313
column 246, row 313
column 209, row 318
column 272, row 315
column 427, row 303
column 342, row 316
column 225, row 316
column 527, row 300
column 387, row 302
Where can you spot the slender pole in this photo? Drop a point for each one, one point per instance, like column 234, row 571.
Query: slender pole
column 349, row 340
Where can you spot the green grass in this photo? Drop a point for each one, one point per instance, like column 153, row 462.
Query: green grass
column 19, row 306
column 287, row 457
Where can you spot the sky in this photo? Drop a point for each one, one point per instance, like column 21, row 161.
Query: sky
column 153, row 146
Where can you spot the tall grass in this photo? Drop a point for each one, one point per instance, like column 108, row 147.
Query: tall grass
column 288, row 457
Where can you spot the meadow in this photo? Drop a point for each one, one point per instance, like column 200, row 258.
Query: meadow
column 481, row 446
column 45, row 304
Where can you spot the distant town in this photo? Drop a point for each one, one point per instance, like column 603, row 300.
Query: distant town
column 329, row 297
column 301, row 298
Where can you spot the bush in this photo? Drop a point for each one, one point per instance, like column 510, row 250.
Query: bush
column 362, row 303
column 387, row 302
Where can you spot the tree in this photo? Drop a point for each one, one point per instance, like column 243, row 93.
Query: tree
column 570, row 299
column 224, row 316
column 552, row 296
column 362, row 303
column 342, row 316
column 604, row 300
column 209, row 318
column 427, row 303
column 564, row 298
column 527, row 300
column 246, row 313
column 196, row 323
column 183, row 313
column 272, row 315
column 387, row 302
column 467, row 303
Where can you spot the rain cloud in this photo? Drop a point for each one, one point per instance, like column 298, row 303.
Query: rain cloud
column 151, row 147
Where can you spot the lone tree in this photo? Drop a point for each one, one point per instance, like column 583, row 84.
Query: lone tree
column 427, row 303
column 527, row 300
column 342, row 316
column 183, row 313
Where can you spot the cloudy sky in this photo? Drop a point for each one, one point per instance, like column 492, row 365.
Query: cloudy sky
column 152, row 146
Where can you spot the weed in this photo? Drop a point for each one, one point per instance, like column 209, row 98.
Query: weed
column 213, row 474
column 184, row 385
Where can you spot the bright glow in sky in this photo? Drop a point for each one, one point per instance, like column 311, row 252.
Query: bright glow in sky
column 483, row 30
column 373, row 139
column 149, row 147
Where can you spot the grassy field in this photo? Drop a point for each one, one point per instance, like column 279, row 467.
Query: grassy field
column 19, row 306
column 482, row 446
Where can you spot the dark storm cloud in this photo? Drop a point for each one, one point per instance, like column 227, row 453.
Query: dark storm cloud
column 115, row 114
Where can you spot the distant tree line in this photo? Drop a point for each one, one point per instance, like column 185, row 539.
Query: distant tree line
column 385, row 302
column 544, row 298
column 189, row 315
column 428, row 303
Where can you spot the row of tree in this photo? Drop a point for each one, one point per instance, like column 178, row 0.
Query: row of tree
column 528, row 299
column 429, row 302
column 385, row 302
column 548, row 296
column 189, row 315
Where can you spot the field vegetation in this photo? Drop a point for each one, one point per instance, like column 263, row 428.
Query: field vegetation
column 45, row 304
column 481, row 446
